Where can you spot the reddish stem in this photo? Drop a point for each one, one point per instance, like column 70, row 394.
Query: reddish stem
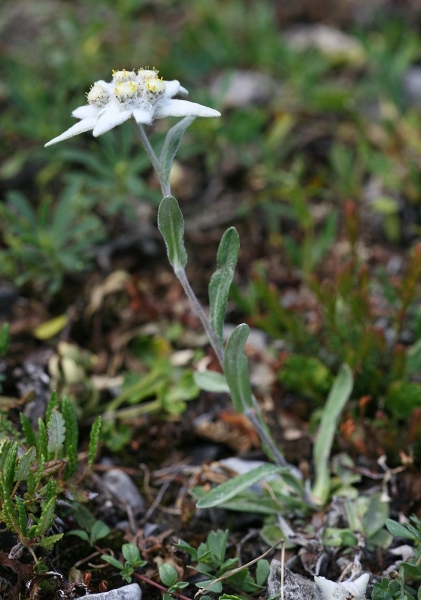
column 159, row 586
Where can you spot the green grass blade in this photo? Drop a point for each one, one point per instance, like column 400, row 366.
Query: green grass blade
column 232, row 487
column 338, row 397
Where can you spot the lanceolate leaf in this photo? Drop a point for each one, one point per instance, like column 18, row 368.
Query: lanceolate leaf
column 25, row 464
column 221, row 280
column 171, row 144
column 10, row 467
column 52, row 404
column 72, row 462
column 70, row 421
column 236, row 369
column 27, row 430
column 47, row 517
column 171, row 226
column 56, row 432
column 94, row 440
column 232, row 487
column 338, row 397
column 22, row 516
column 42, row 440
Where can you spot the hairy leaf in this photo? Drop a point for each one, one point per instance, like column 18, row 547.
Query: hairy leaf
column 94, row 440
column 52, row 404
column 42, row 444
column 10, row 467
column 56, row 432
column 171, row 226
column 171, row 144
column 227, row 490
column 22, row 516
column 25, row 463
column 236, row 369
column 28, row 430
column 221, row 280
column 211, row 381
column 70, row 420
column 47, row 517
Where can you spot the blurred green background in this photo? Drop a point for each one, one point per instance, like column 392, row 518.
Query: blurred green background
column 316, row 159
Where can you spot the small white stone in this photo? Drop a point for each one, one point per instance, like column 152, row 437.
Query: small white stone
column 128, row 592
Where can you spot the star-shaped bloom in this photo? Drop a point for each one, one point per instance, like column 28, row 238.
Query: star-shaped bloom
column 142, row 95
column 347, row 590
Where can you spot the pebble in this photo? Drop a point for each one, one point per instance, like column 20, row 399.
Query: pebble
column 122, row 487
column 128, row 592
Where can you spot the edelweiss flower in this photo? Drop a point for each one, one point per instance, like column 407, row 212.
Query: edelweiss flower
column 347, row 590
column 142, row 95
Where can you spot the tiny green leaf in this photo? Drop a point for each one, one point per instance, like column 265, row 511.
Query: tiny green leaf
column 48, row 542
column 83, row 535
column 99, row 530
column 376, row 515
column 52, row 404
column 171, row 226
column 112, row 561
column 56, row 432
column 70, row 420
column 168, row 574
column 171, row 144
column 22, row 516
column 212, row 587
column 4, row 338
column 47, row 517
column 221, row 280
column 27, row 429
column 398, row 530
column 41, row 445
column 236, row 369
column 227, row 490
column 10, row 467
column 262, row 571
column 94, row 440
column 25, row 464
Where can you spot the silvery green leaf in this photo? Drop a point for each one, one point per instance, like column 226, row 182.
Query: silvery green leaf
column 338, row 397
column 171, row 226
column 227, row 490
column 56, row 431
column 211, row 381
column 171, row 144
column 236, row 369
column 221, row 280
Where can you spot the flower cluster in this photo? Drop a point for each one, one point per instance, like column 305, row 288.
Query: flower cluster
column 142, row 95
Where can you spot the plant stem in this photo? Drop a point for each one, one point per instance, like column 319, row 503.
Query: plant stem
column 165, row 187
column 180, row 273
column 266, row 438
column 182, row 277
